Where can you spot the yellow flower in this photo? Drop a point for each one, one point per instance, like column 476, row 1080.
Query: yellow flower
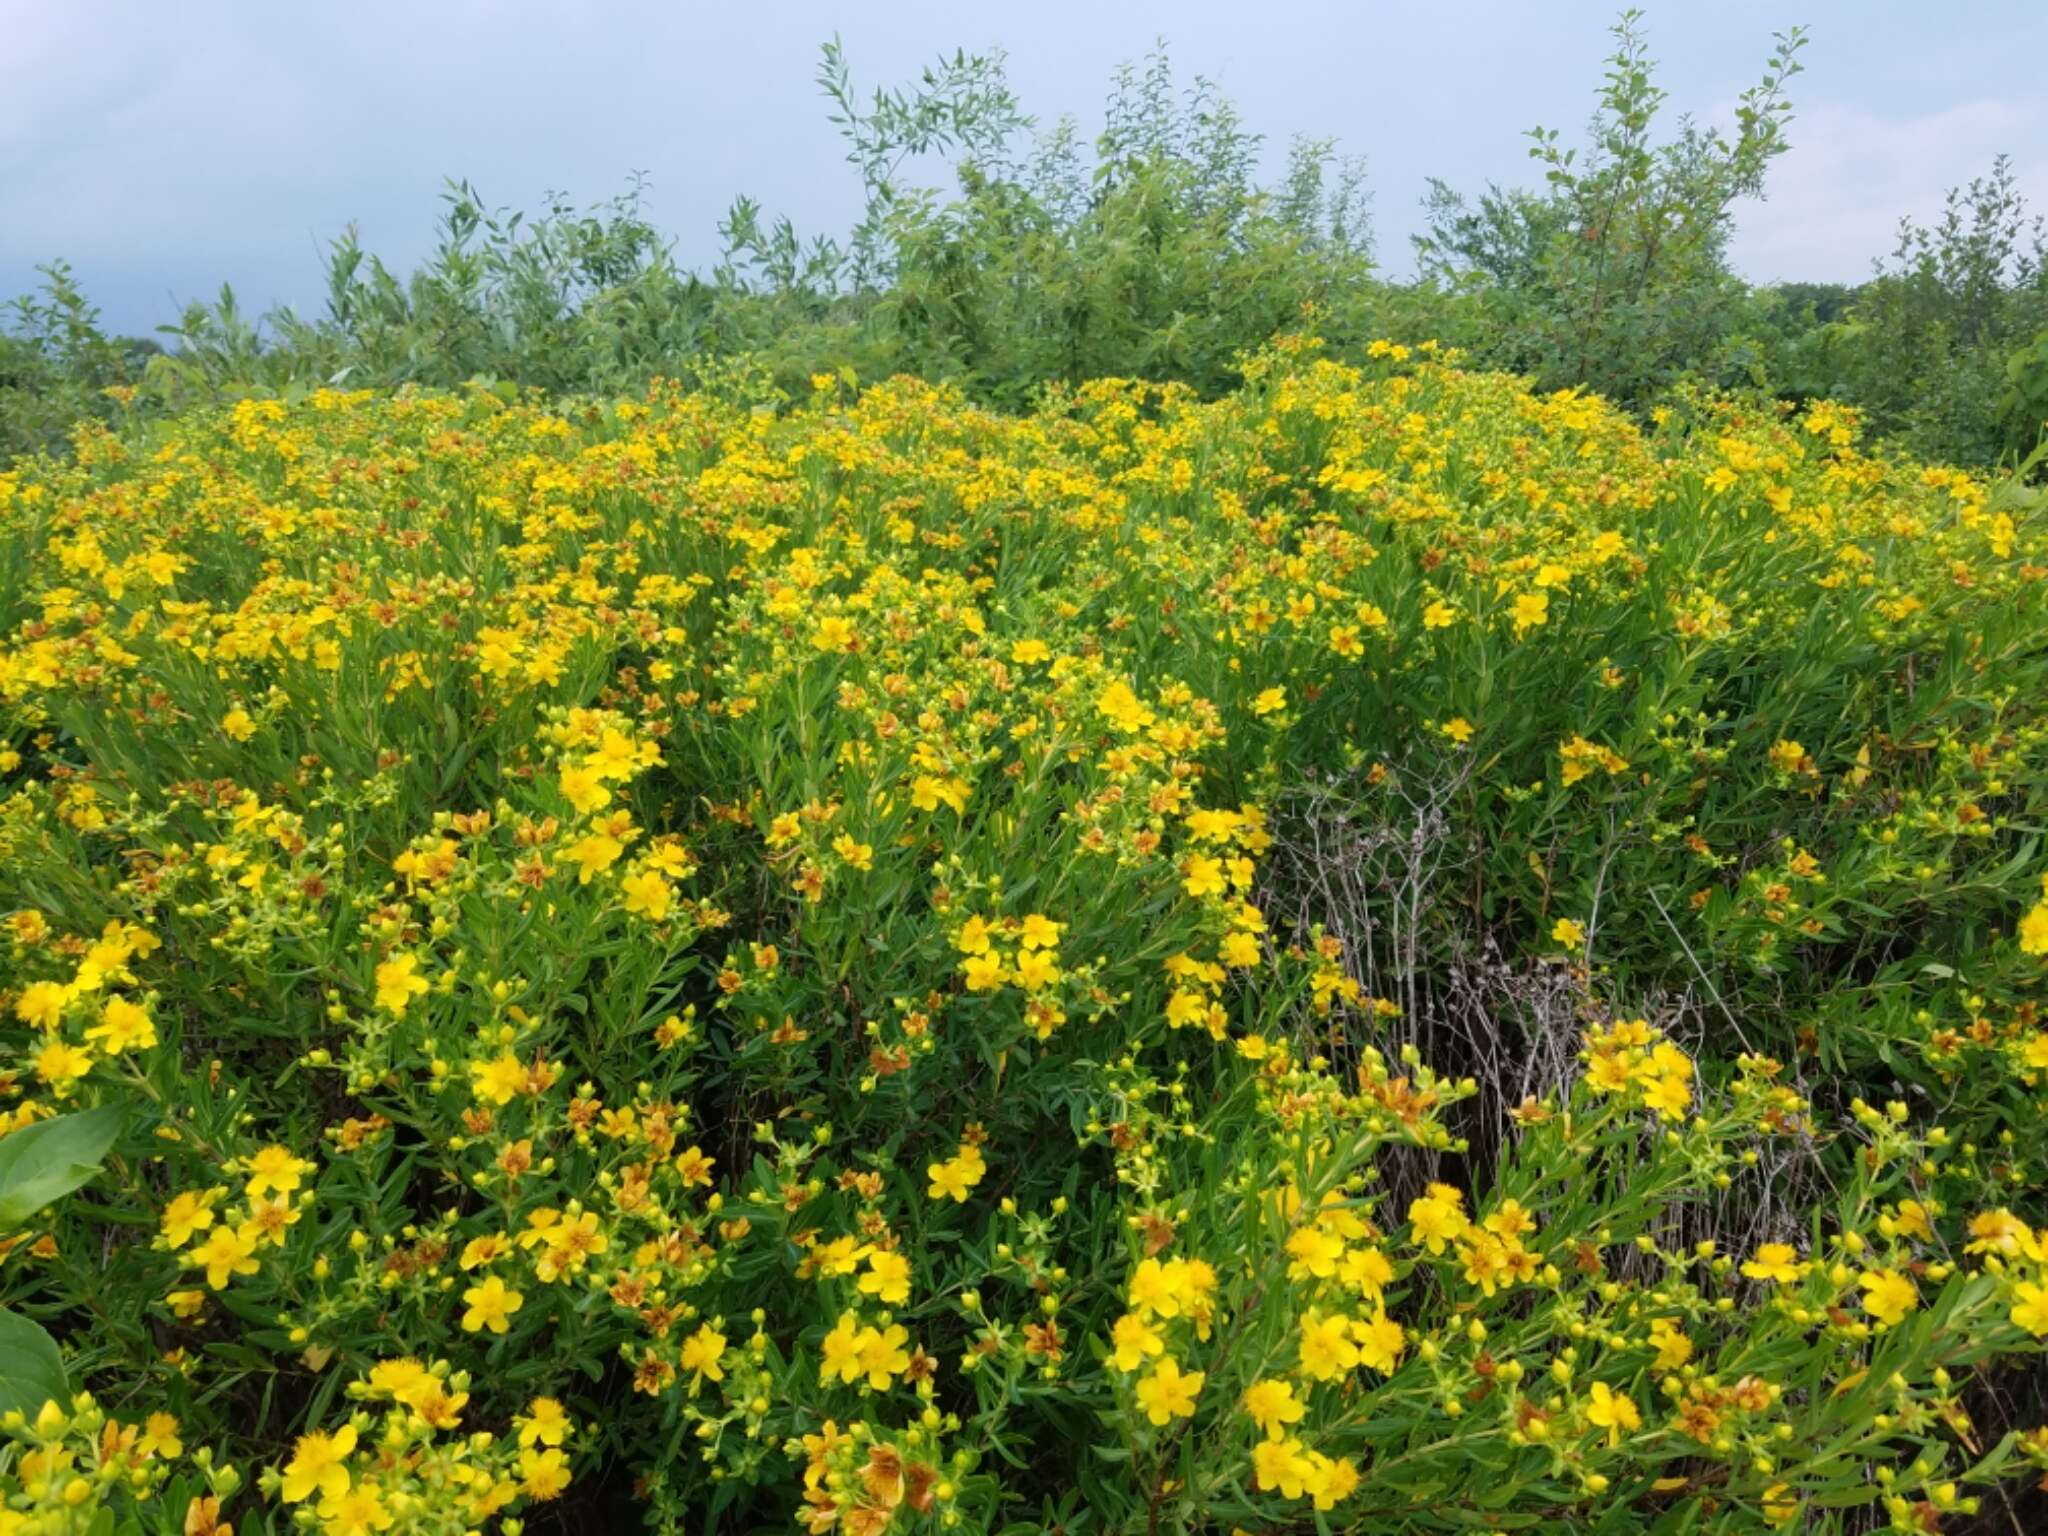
column 1532, row 610
column 274, row 1168
column 60, row 1064
column 1779, row 1504
column 2034, row 930
column 593, row 854
column 398, row 983
column 1330, row 1480
column 1327, row 1350
column 984, row 973
column 490, row 1305
column 950, row 1179
column 1786, row 756
column 647, row 895
column 1669, row 1094
column 122, row 1026
column 928, row 792
column 1998, row 1232
column 1569, row 932
column 543, row 1474
column 833, row 634
column 888, row 1278
column 544, row 1423
column 498, row 1080
column 1774, row 1261
column 403, row 1380
column 1152, row 1290
column 318, row 1465
column 1203, row 876
column 1367, row 1271
column 956, row 1176
column 1239, row 949
column 1131, row 1339
column 882, row 1355
column 1458, row 728
column 227, row 1251
column 1669, row 1340
column 1269, row 701
column 1039, row 932
column 2030, row 1307
column 160, row 1436
column 1887, row 1295
column 1122, row 709
column 1916, row 1220
column 188, row 1213
column 1272, row 1406
column 1036, row 970
column 355, row 1511
column 1167, row 1394
column 694, row 1167
column 236, row 723
column 1380, row 1342
column 186, row 1304
column 1613, row 1411
column 584, row 789
column 1437, row 1217
column 840, row 1357
column 1282, row 1467
column 42, row 1004
column 840, row 1256
column 702, row 1351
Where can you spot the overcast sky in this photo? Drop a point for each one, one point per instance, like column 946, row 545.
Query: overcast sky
column 165, row 148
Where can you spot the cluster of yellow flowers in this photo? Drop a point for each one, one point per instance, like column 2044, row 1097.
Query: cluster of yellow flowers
column 66, row 1459
column 414, row 1475
column 84, row 1017
column 1272, row 952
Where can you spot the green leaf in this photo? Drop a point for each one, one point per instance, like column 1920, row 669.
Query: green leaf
column 31, row 1369
column 48, row 1160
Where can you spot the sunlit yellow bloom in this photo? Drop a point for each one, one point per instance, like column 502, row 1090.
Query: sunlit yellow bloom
column 1613, row 1411
column 1132, row 1339
column 702, row 1351
column 398, row 983
column 319, row 1465
column 1166, row 1393
column 1887, row 1295
column 1774, row 1261
column 226, row 1252
column 489, row 1305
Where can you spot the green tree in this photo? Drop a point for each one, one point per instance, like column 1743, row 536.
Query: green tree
column 1613, row 276
column 56, row 364
column 1946, row 347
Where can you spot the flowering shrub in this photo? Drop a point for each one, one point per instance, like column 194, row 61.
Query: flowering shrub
column 1382, row 952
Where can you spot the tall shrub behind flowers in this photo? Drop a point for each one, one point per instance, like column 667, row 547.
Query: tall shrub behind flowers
column 704, row 961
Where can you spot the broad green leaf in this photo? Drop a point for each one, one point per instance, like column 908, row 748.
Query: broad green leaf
column 31, row 1369
column 48, row 1160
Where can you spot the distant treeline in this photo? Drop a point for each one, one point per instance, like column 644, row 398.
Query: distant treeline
column 1157, row 251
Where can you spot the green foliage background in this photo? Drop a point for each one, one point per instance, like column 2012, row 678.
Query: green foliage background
column 1155, row 252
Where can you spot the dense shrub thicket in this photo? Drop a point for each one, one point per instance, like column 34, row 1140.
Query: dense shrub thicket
column 1156, row 252
column 1385, row 951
